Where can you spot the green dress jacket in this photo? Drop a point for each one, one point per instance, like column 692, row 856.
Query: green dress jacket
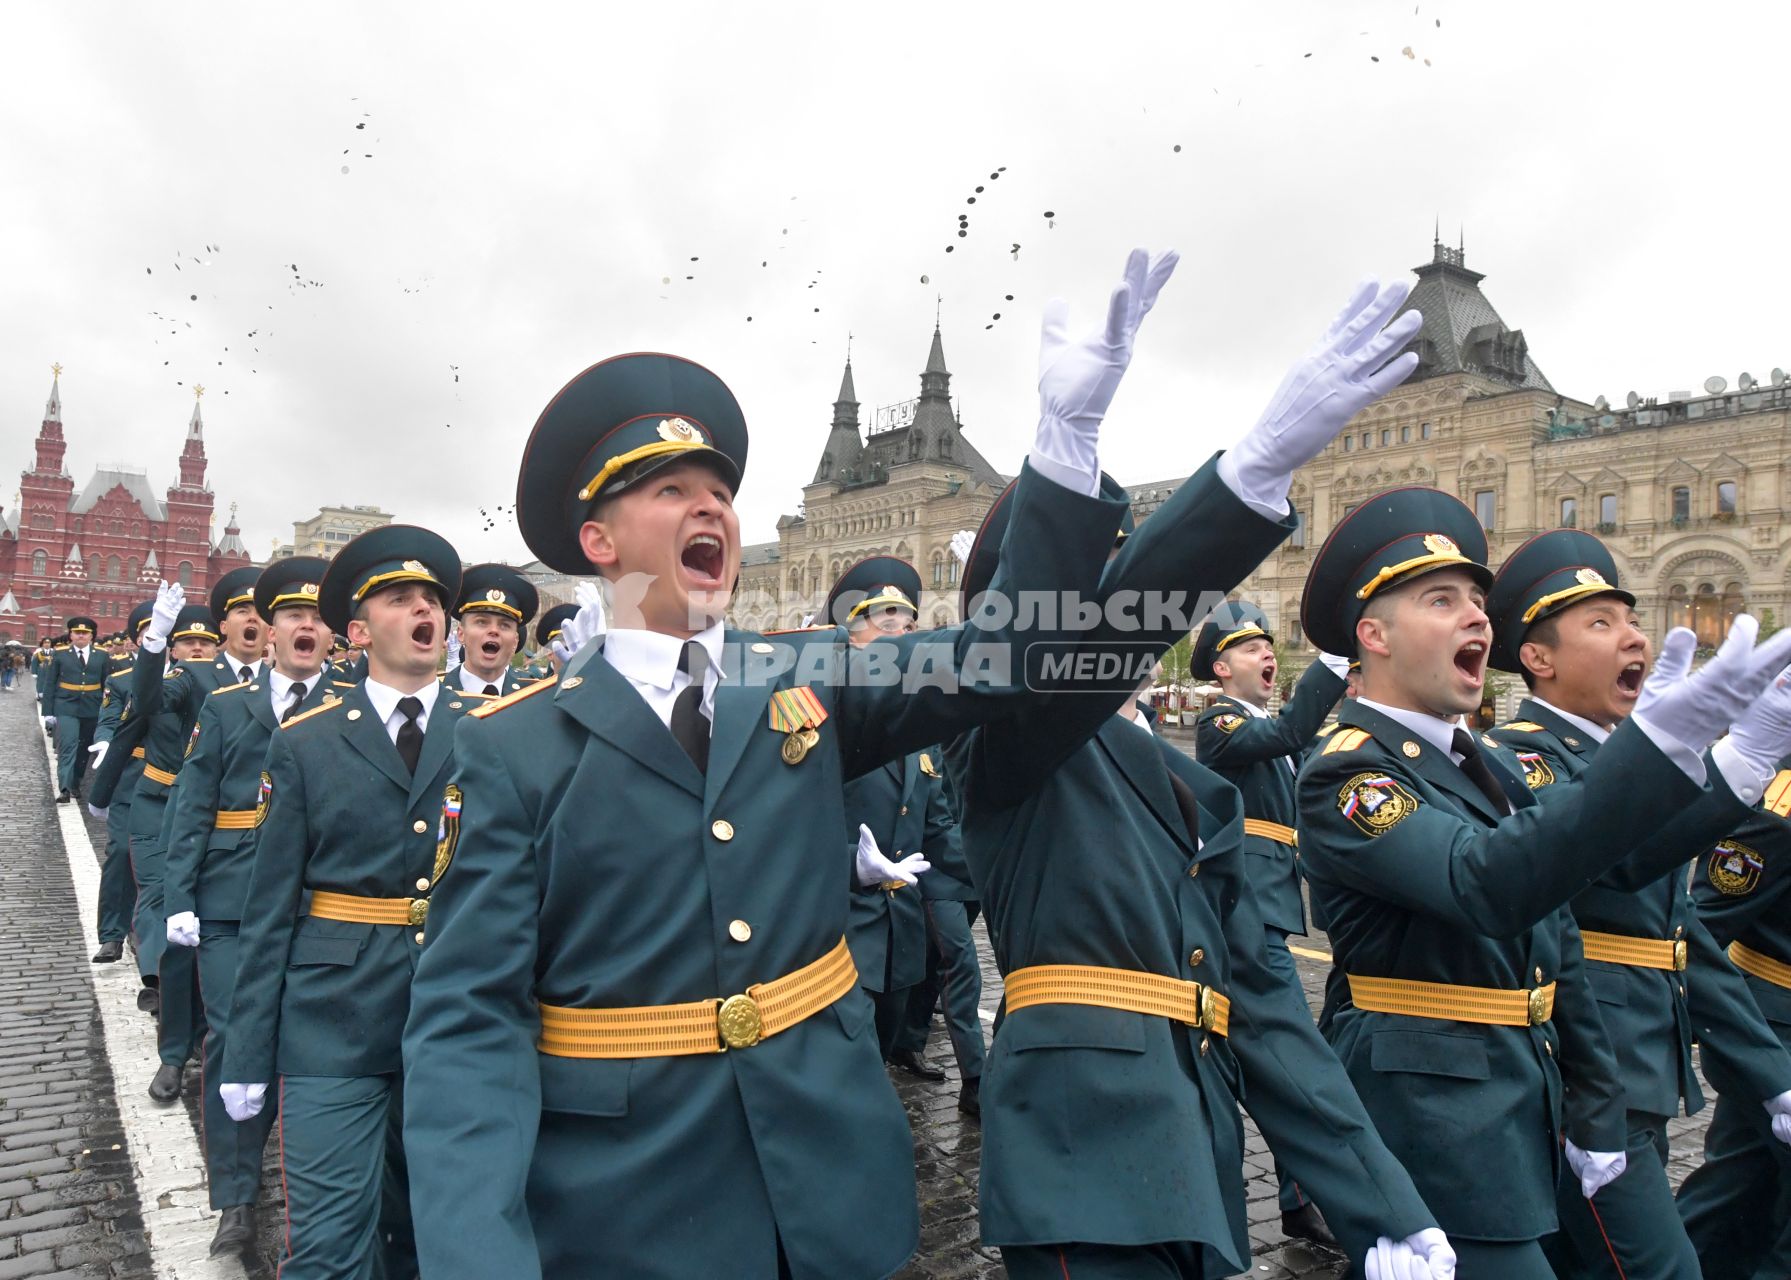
column 1739, row 887
column 1259, row 756
column 1651, row 1015
column 1420, row 878
column 71, row 686
column 593, row 866
column 319, row 997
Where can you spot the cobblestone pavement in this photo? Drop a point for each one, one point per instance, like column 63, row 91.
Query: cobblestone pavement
column 69, row 1196
column 68, row 1200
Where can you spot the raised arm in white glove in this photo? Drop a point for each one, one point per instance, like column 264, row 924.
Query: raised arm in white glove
column 1684, row 713
column 1426, row 1255
column 1077, row 379
column 183, row 929
column 1761, row 737
column 961, row 542
column 1595, row 1169
column 454, row 648
column 1351, row 367
column 873, row 868
column 586, row 625
column 170, row 599
column 243, row 1101
column 98, row 753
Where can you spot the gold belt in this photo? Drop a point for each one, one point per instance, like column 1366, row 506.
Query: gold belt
column 1177, row 999
column 236, row 820
column 136, row 753
column 1642, row 953
column 701, row 1026
column 354, row 909
column 1271, row 831
column 78, row 688
column 1762, row 967
column 1446, row 1002
column 158, row 775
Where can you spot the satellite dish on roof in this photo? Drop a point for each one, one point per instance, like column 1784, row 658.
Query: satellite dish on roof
column 1716, row 385
column 1601, row 404
column 1632, row 399
column 1746, row 382
column 1778, row 377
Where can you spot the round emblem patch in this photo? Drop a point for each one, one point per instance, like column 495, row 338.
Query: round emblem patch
column 1735, row 868
column 1375, row 802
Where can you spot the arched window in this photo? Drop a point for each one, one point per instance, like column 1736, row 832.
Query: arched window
column 1707, row 616
column 40, row 564
column 184, row 573
column 938, row 571
column 1678, row 606
column 114, row 568
column 1607, row 513
column 93, row 567
column 1681, row 504
column 1725, row 498
column 1734, row 602
column 131, row 569
column 1570, row 513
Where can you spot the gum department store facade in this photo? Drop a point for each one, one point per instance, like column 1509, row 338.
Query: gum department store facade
column 1690, row 492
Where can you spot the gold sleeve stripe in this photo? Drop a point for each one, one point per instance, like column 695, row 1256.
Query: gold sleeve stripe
column 1778, row 795
column 1346, row 740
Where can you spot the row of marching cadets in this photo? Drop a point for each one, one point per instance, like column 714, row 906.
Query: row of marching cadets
column 184, row 739
column 601, row 976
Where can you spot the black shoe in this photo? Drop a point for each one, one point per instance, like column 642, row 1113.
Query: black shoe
column 970, row 1097
column 150, row 1001
column 166, row 1085
column 1307, row 1223
column 109, row 952
column 902, row 1060
column 63, row 798
column 236, row 1230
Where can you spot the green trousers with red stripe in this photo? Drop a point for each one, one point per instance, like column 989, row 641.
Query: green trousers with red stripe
column 1631, row 1229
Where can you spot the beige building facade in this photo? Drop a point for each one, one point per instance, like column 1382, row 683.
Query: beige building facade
column 331, row 529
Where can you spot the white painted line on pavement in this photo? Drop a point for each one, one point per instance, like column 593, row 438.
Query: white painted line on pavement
column 164, row 1149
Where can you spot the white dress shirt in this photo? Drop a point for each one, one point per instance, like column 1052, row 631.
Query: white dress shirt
column 648, row 660
column 385, row 704
column 281, row 689
column 476, row 684
column 1595, row 732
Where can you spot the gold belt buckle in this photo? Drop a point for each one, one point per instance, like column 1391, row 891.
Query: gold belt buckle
column 1538, row 1007
column 739, row 1022
column 893, row 886
column 1680, row 955
column 419, row 911
column 1204, row 1010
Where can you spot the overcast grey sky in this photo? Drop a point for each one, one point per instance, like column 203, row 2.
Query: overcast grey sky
column 528, row 176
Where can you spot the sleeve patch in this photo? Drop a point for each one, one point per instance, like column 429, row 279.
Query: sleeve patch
column 1346, row 740
column 264, row 797
column 1735, row 869
column 447, row 834
column 1536, row 770
column 1375, row 803
column 192, row 741
column 1228, row 722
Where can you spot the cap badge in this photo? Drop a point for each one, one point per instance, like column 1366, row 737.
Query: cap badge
column 308, row 589
column 415, row 566
column 1441, row 544
column 1590, row 578
column 679, row 431
column 495, row 595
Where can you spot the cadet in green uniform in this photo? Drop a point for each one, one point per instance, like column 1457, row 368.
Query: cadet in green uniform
column 211, row 848
column 333, row 921
column 1259, row 754
column 181, row 695
column 547, row 660
column 118, row 891
column 1561, row 620
column 1735, row 1206
column 495, row 605
column 636, row 964
column 72, row 683
column 1469, row 1009
column 887, row 924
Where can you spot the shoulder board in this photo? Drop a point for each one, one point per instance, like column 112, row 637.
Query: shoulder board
column 510, row 699
column 303, row 716
column 1346, row 740
column 1778, row 794
column 1327, row 730
column 1524, row 726
column 240, row 684
column 468, row 693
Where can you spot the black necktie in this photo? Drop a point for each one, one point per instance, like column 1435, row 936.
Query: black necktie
column 298, row 696
column 410, row 735
column 242, row 674
column 1474, row 765
column 689, row 725
column 491, row 691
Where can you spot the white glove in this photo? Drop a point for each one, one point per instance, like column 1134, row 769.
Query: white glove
column 49, row 722
column 99, row 813
column 98, row 752
column 183, row 929
column 1696, row 709
column 1338, row 667
column 808, row 620
column 243, row 1101
column 585, row 625
column 453, row 654
column 961, row 542
column 1424, row 1256
column 874, row 868
column 170, row 599
column 1763, row 733
column 1346, row 371
column 1077, row 379
column 1595, row 1169
column 1779, row 1109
